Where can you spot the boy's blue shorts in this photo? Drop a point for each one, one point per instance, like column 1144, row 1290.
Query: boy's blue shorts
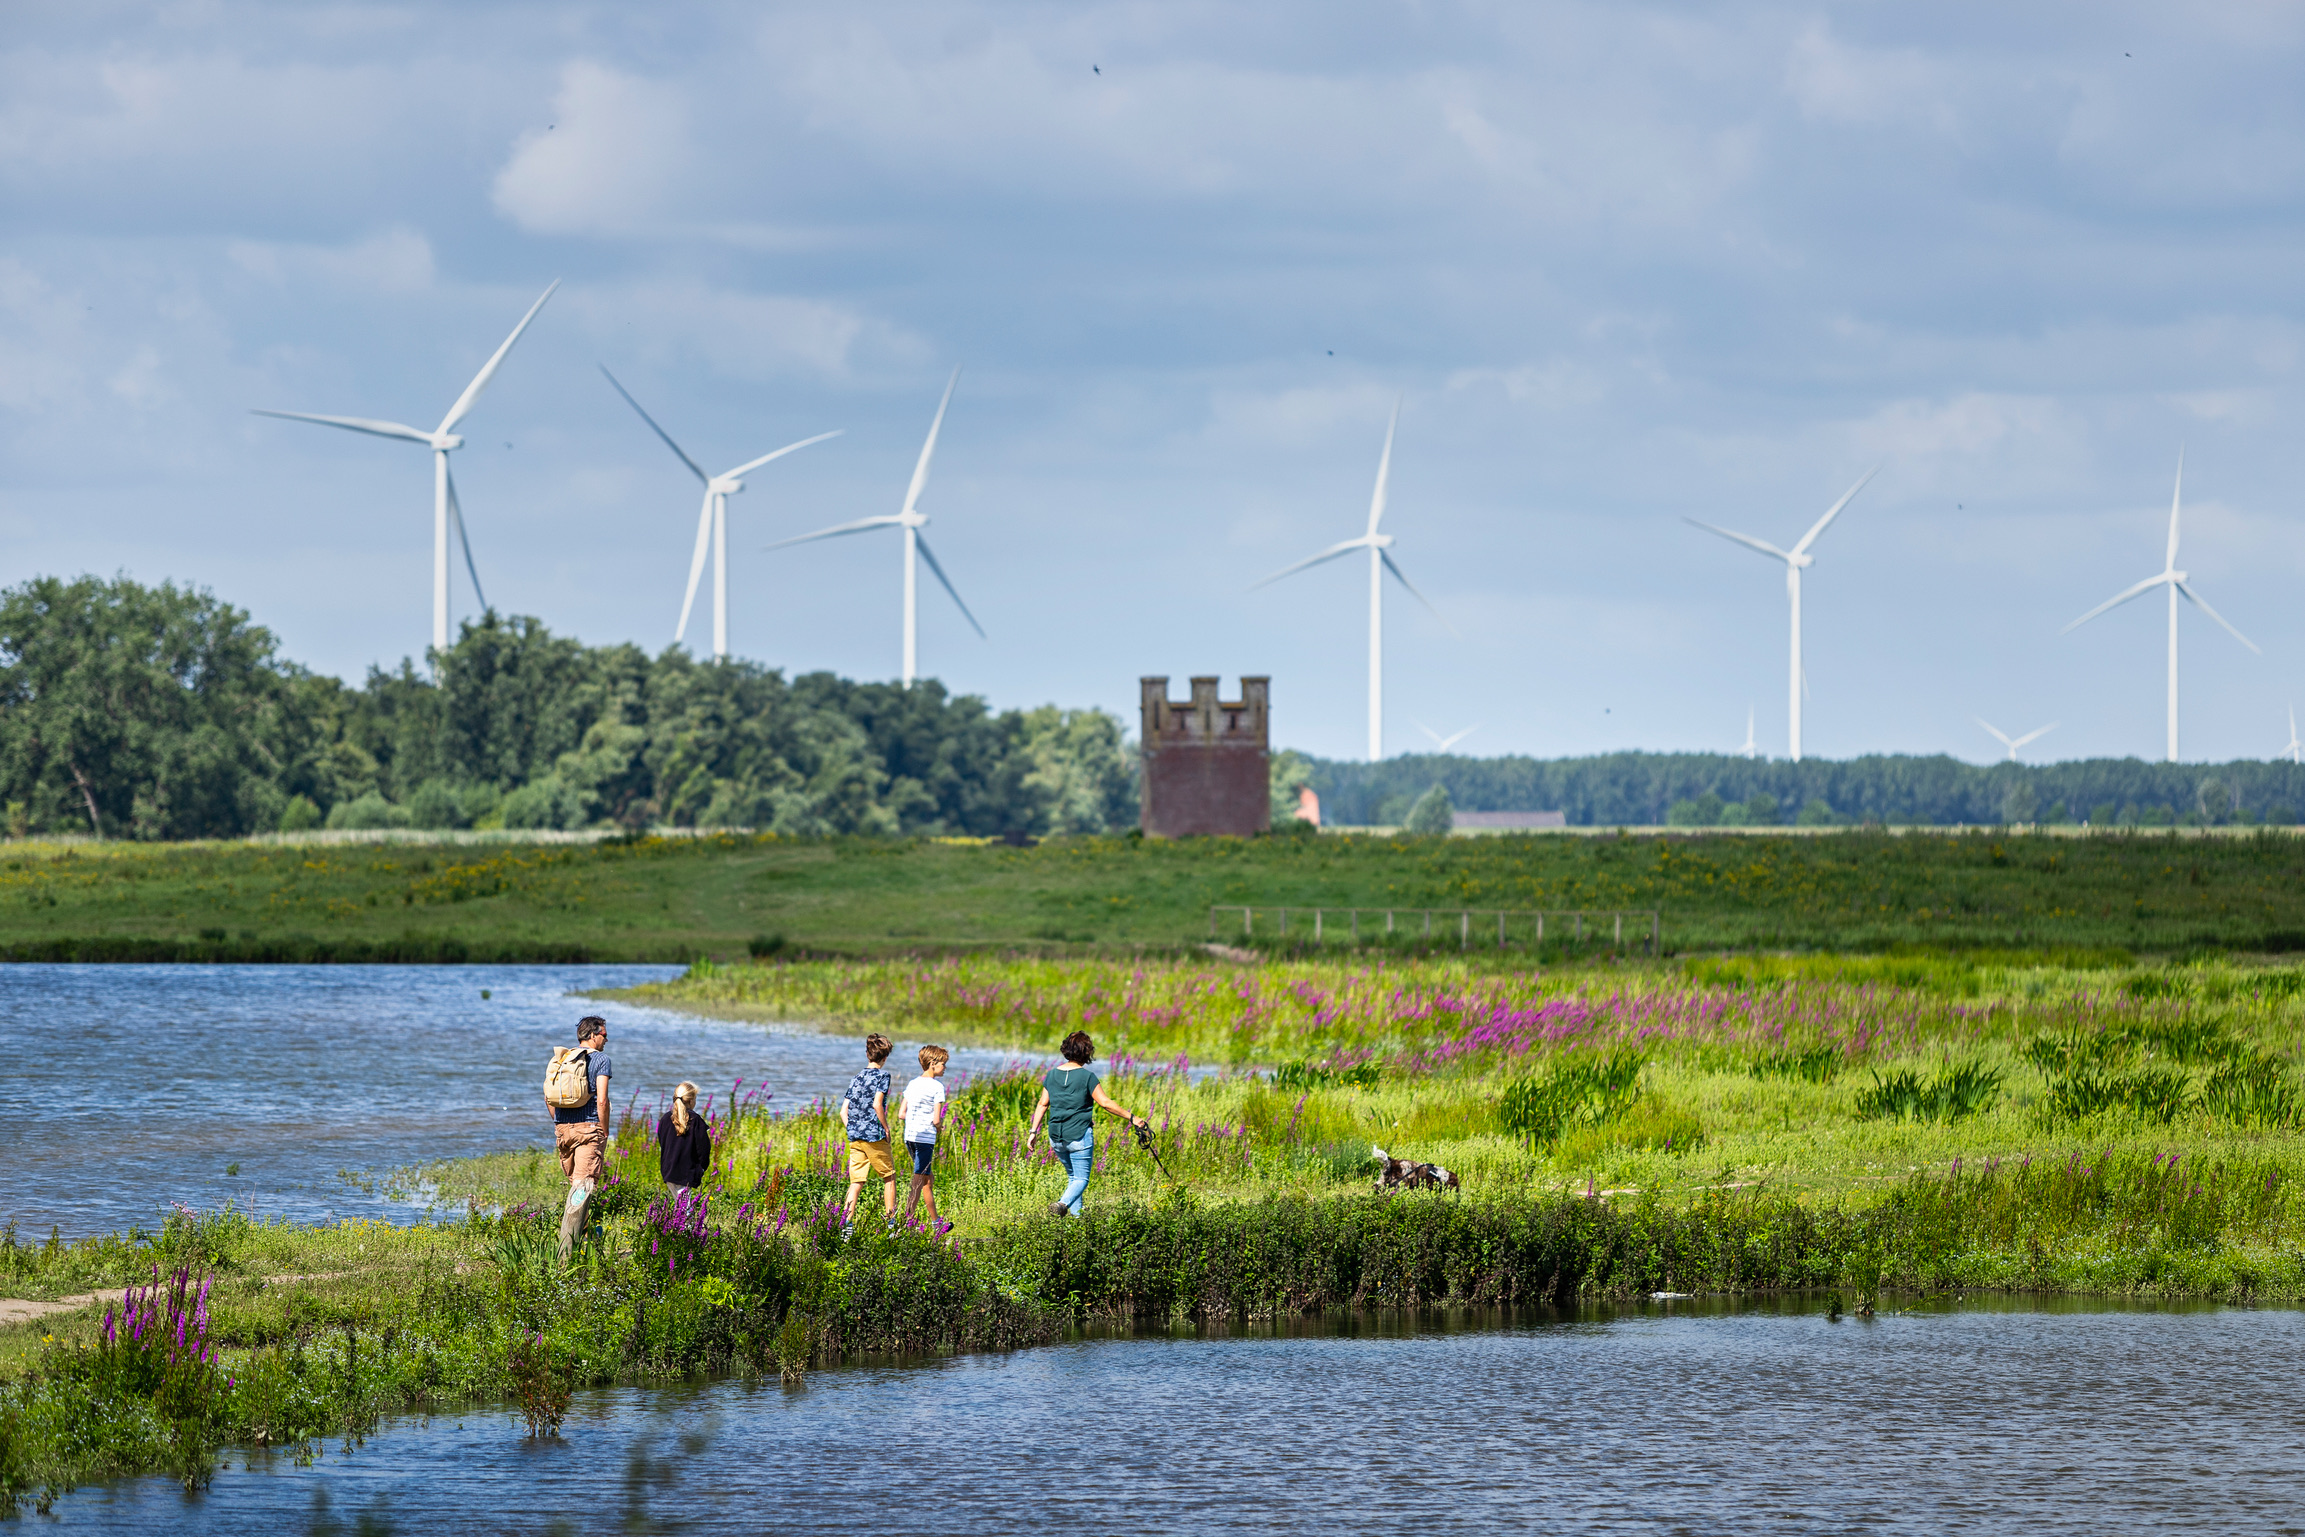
column 921, row 1152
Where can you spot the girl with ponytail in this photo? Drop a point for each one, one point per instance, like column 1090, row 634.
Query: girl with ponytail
column 683, row 1141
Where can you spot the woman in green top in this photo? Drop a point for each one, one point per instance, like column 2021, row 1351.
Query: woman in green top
column 1069, row 1096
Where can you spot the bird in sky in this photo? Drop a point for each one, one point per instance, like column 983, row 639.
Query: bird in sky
column 1096, row 69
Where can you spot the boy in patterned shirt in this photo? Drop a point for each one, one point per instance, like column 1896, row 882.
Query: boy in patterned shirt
column 866, row 1106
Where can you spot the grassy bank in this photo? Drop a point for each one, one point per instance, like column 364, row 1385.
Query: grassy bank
column 673, row 899
column 2054, row 1121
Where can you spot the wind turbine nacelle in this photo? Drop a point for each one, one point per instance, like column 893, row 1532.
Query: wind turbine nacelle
column 725, row 487
column 447, row 441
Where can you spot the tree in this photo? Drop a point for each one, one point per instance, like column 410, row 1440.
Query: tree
column 147, row 712
column 1432, row 813
column 1291, row 772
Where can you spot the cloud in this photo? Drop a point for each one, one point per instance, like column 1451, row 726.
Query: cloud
column 617, row 158
column 397, row 260
column 734, row 334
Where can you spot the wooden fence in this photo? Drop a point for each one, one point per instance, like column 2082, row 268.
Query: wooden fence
column 1508, row 925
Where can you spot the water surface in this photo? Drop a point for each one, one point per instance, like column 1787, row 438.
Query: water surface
column 129, row 1087
column 1770, row 1419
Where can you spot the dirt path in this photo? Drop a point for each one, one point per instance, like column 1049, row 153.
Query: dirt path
column 17, row 1310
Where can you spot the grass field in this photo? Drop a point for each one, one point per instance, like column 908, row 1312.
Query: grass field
column 2052, row 1120
column 677, row 898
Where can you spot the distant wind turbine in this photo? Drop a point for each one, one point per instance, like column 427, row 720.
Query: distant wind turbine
column 1749, row 749
column 1444, row 743
column 711, row 522
column 1796, row 559
column 911, row 521
column 2295, row 749
column 1380, row 561
column 2176, row 581
column 442, row 440
column 2013, row 743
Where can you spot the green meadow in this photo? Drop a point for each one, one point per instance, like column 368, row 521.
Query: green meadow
column 727, row 895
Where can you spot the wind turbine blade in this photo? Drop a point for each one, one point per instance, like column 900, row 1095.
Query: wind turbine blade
column 1331, row 553
column 2195, row 599
column 928, row 449
column 693, row 467
column 1394, row 567
column 695, row 563
column 456, row 516
column 1998, row 734
column 748, row 468
column 2034, row 735
column 950, row 590
column 1451, row 741
column 1747, row 540
column 858, row 527
column 1834, row 511
column 355, row 424
column 1384, row 469
column 2116, row 601
column 2176, row 497
column 456, row 413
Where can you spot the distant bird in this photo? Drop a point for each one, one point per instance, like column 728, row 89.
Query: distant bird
column 1096, row 69
column 443, row 441
column 2013, row 743
column 1795, row 559
column 2175, row 580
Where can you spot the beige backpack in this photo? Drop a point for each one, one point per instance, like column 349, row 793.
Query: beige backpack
column 568, row 1078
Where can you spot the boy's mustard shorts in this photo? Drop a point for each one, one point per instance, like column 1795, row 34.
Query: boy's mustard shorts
column 869, row 1158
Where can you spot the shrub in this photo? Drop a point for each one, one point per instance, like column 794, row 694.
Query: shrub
column 299, row 815
column 371, row 810
column 1588, row 1092
column 550, row 802
column 1953, row 1094
column 1432, row 814
column 436, row 804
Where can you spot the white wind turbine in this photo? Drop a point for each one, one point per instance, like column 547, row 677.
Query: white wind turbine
column 1444, row 743
column 1796, row 559
column 2176, row 581
column 1750, row 749
column 2295, row 749
column 442, row 440
column 911, row 521
column 2015, row 742
column 711, row 521
column 1380, row 561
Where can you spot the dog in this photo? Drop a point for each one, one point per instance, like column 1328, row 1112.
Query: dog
column 1407, row 1174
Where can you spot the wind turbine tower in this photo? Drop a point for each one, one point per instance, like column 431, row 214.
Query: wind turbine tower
column 443, row 441
column 711, row 522
column 1796, row 560
column 2177, row 582
column 915, row 544
column 1379, row 547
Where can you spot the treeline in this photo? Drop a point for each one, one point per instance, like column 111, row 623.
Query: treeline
column 160, row 712
column 1700, row 789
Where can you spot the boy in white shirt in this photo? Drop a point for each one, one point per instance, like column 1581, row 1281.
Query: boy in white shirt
column 923, row 1114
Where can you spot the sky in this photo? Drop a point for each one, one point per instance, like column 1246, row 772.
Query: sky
column 1620, row 264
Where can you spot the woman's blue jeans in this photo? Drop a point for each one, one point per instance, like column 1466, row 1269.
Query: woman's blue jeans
column 1077, row 1156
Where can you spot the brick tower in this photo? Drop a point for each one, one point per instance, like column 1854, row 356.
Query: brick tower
column 1207, row 763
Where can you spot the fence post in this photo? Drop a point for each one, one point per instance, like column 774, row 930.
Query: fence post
column 1580, row 925
column 1248, row 922
column 1388, row 920
column 1464, row 930
column 1428, row 923
column 1540, row 929
column 1316, row 925
column 1284, row 923
column 1654, row 926
column 1500, row 928
column 1619, row 941
column 1356, row 925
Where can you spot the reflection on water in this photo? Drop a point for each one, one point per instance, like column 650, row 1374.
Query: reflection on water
column 2002, row 1419
column 128, row 1087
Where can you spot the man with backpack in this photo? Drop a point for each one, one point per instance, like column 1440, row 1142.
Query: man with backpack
column 576, row 1087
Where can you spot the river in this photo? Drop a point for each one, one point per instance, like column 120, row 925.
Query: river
column 1679, row 1418
column 126, row 1088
